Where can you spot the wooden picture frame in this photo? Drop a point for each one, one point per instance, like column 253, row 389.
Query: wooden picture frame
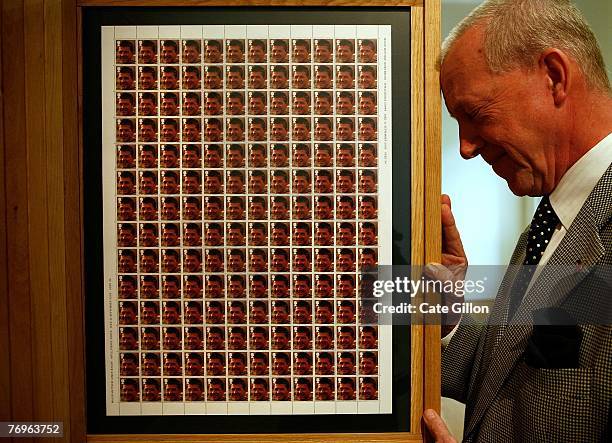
column 46, row 301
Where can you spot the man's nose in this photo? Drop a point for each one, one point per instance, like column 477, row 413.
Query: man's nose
column 469, row 142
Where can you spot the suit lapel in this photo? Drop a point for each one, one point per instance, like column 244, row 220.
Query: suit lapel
column 580, row 249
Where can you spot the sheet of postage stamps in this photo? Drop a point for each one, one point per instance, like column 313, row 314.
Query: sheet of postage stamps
column 247, row 187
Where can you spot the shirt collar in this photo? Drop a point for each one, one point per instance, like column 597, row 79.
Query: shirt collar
column 577, row 183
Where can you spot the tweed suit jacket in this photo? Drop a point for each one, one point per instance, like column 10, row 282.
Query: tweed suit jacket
column 484, row 366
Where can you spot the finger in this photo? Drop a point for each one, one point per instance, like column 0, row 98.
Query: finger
column 437, row 427
column 451, row 239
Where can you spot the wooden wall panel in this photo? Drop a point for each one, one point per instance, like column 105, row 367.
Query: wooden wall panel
column 40, row 198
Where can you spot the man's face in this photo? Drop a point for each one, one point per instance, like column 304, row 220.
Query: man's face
column 235, row 211
column 235, row 237
column 345, row 54
column 235, row 158
column 279, row 262
column 214, row 366
column 367, row 183
column 322, row 53
column 148, row 185
column 237, row 392
column 344, row 80
column 237, row 341
column 345, row 314
column 168, row 80
column 212, row 132
column 147, row 107
column 344, row 105
column 301, row 132
column 346, row 391
column 212, row 158
column 345, row 184
column 344, row 131
column 279, row 157
column 125, row 80
column 257, row 106
column 213, row 237
column 234, row 80
column 191, row 54
column 323, row 80
column 169, row 132
column 212, row 80
column 258, row 236
column 258, row 340
column 236, row 315
column 148, row 237
column 367, row 157
column 300, row 54
column 324, row 341
column 236, row 289
column 346, row 340
column 214, row 340
column 302, row 392
column 169, row 54
column 301, row 290
column 280, row 341
column 257, row 132
column 191, row 106
column 279, row 106
column 279, row 80
column 367, row 209
column 367, row 106
column 212, row 106
column 146, row 54
column 212, row 54
column 215, row 392
column 193, row 341
column 259, row 366
column 234, row 54
column 235, row 132
column 129, row 392
column 258, row 392
column 345, row 157
column 279, row 211
column 194, row 392
column 257, row 54
column 324, row 366
column 367, row 80
column 301, row 80
column 301, row 106
column 150, row 366
column 168, row 106
column 170, row 289
column 367, row 54
column 169, row 158
column 345, row 289
column 279, row 53
column 151, row 392
column 126, row 289
column 147, row 80
column 300, row 210
column 367, row 236
column 280, row 392
column 125, row 133
column 192, row 288
column 191, row 132
column 279, row 132
column 323, row 288
column 257, row 80
column 125, row 55
column 367, row 366
column 367, row 131
column 169, row 211
column 324, row 392
column 125, row 107
column 496, row 115
column 323, row 315
column 169, row 185
column 301, row 237
column 323, row 262
column 235, row 106
column 323, row 131
column 172, row 366
column 147, row 133
column 323, row 157
column 301, row 366
column 258, row 263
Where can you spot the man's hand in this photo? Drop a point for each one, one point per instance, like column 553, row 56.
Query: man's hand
column 454, row 262
column 437, row 427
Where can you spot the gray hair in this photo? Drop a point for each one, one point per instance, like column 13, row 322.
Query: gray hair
column 517, row 31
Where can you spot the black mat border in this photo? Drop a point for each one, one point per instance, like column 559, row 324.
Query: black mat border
column 97, row 420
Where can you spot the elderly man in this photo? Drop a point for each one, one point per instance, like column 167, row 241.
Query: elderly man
column 527, row 84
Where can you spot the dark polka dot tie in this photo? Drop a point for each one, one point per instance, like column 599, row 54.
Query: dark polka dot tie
column 542, row 227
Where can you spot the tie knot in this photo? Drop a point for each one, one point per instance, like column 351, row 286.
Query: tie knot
column 545, row 216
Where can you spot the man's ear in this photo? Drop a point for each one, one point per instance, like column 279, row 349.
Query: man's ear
column 557, row 68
